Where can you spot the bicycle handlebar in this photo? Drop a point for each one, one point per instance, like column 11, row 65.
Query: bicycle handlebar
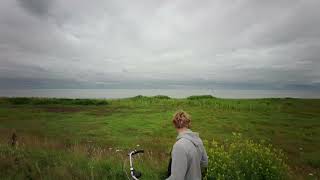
column 134, row 174
column 137, row 151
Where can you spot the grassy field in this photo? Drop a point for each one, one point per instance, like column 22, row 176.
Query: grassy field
column 87, row 139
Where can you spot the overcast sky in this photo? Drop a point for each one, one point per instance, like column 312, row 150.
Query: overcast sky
column 159, row 43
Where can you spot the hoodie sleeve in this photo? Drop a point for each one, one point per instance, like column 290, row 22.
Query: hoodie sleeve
column 179, row 163
column 204, row 158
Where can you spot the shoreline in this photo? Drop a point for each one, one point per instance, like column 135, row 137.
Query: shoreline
column 172, row 93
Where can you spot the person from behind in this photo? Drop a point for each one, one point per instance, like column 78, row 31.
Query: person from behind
column 188, row 156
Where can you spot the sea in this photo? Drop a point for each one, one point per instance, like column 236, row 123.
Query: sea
column 174, row 93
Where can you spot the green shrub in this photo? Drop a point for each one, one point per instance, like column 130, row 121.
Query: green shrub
column 52, row 101
column 139, row 97
column 161, row 97
column 243, row 159
column 201, row 97
column 89, row 102
column 18, row 101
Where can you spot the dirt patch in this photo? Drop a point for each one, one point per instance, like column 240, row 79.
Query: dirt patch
column 63, row 109
column 104, row 111
column 101, row 112
column 128, row 130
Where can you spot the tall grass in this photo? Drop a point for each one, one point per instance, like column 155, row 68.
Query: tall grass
column 19, row 163
column 76, row 162
column 236, row 158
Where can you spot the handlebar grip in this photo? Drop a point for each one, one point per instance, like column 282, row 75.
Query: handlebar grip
column 138, row 151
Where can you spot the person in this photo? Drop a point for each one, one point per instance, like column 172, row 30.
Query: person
column 188, row 156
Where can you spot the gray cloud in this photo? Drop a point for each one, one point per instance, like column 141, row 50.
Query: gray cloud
column 36, row 7
column 237, row 43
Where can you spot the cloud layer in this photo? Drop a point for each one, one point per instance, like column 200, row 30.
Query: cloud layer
column 231, row 43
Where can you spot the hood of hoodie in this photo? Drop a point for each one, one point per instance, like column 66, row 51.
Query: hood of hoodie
column 192, row 136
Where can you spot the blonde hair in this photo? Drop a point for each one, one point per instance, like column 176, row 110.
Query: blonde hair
column 181, row 119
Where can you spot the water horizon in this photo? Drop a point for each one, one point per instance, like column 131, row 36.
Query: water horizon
column 173, row 93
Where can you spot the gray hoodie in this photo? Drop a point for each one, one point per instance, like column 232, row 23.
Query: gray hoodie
column 188, row 157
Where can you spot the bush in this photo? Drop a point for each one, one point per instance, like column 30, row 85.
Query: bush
column 244, row 159
column 139, row 97
column 161, row 97
column 201, row 97
column 18, row 101
column 54, row 101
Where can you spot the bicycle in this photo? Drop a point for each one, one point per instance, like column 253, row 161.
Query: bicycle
column 134, row 173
